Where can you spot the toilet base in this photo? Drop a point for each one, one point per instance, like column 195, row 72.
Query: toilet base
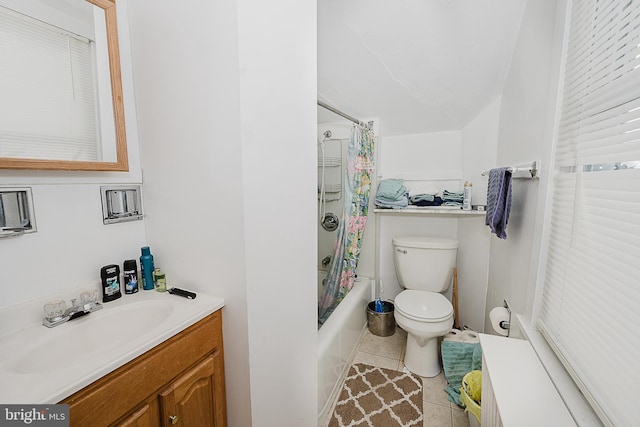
column 422, row 360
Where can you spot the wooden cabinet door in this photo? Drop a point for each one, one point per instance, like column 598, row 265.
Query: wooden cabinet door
column 144, row 416
column 190, row 400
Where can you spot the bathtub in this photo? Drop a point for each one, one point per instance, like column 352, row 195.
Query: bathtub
column 337, row 342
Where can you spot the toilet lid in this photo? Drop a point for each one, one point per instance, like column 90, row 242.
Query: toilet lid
column 422, row 242
column 423, row 306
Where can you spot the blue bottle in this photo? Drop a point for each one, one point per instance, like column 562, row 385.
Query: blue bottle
column 146, row 264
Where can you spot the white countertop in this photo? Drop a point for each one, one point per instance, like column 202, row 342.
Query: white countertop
column 43, row 365
column 523, row 391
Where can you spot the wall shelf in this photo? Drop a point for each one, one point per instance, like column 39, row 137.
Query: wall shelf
column 429, row 211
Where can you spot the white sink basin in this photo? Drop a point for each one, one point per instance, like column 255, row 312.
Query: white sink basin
column 97, row 332
column 45, row 365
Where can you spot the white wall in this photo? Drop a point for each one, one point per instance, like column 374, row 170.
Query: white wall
column 278, row 62
column 71, row 243
column 525, row 134
column 187, row 87
column 479, row 149
column 425, row 156
column 228, row 128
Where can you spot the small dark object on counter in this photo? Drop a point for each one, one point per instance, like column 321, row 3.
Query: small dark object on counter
column 182, row 293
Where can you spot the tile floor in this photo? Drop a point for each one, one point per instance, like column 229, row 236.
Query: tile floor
column 388, row 352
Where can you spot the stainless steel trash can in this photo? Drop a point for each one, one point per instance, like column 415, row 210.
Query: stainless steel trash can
column 381, row 324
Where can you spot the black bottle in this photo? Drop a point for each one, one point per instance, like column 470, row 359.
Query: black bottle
column 130, row 276
column 110, row 275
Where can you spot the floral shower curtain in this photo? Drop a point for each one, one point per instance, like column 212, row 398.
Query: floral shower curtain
column 357, row 180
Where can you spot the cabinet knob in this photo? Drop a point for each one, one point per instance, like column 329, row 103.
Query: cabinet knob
column 173, row 419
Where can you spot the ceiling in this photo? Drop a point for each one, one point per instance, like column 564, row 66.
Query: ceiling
column 417, row 65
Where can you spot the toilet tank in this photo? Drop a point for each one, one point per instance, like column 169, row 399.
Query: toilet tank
column 424, row 263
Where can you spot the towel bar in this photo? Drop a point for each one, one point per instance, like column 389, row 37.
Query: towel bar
column 533, row 169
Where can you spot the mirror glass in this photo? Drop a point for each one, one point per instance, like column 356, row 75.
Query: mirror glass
column 62, row 102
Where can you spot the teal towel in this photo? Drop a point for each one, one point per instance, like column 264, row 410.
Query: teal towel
column 391, row 189
column 458, row 359
column 422, row 198
column 452, row 196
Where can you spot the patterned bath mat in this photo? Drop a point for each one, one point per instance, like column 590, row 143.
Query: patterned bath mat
column 378, row 397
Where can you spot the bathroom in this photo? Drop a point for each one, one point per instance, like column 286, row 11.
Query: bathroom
column 221, row 120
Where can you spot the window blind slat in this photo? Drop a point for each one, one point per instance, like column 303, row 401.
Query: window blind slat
column 63, row 97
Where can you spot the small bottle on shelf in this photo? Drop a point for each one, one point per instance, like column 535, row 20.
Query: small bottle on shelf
column 466, row 198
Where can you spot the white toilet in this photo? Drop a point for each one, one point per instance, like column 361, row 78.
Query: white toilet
column 424, row 266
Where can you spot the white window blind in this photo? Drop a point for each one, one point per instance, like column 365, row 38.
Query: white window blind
column 47, row 89
column 590, row 302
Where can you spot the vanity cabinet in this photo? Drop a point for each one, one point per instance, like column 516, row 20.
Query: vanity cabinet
column 144, row 416
column 179, row 382
column 190, row 400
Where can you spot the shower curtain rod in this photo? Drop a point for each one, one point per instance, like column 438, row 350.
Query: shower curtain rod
column 345, row 115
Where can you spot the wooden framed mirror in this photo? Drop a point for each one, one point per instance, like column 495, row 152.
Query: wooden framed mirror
column 20, row 152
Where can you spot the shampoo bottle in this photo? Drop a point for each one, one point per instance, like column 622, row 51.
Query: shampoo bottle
column 146, row 265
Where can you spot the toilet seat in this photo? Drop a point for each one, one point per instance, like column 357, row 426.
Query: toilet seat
column 423, row 306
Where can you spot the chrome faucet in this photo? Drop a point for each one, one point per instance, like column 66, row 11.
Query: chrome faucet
column 76, row 310
column 56, row 312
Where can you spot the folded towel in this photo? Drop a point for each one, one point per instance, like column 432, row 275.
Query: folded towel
column 452, row 196
column 459, row 358
column 401, row 203
column 498, row 201
column 391, row 189
column 422, row 198
column 437, row 201
column 451, row 203
column 420, row 188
